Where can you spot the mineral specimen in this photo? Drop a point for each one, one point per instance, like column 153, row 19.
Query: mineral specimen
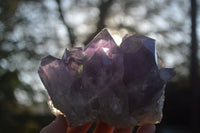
column 120, row 85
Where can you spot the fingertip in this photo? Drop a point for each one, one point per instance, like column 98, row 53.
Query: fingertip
column 58, row 125
column 102, row 127
column 147, row 129
column 84, row 128
column 60, row 119
column 124, row 130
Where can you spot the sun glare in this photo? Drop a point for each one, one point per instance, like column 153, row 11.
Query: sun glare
column 117, row 39
column 105, row 49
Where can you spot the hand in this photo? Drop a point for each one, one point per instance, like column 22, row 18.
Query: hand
column 60, row 126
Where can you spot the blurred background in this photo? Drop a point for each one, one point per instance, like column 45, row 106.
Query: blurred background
column 33, row 29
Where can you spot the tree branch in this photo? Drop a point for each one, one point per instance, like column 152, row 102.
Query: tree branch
column 194, row 77
column 72, row 37
column 103, row 8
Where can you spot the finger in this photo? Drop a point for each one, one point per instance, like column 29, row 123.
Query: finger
column 79, row 129
column 58, row 125
column 103, row 128
column 124, row 130
column 147, row 129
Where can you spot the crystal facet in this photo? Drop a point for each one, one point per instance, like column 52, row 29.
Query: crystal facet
column 120, row 85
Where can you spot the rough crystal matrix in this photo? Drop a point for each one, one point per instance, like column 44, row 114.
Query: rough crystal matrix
column 120, row 85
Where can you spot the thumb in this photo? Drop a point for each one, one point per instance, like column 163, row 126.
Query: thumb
column 59, row 125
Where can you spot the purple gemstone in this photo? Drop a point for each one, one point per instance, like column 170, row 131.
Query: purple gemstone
column 122, row 86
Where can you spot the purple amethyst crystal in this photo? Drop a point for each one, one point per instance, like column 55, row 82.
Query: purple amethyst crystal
column 122, row 86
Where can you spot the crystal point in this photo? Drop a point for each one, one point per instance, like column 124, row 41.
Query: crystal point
column 167, row 73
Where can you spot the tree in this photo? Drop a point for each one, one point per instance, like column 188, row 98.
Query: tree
column 194, row 78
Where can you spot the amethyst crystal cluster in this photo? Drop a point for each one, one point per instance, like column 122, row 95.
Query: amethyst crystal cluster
column 120, row 85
